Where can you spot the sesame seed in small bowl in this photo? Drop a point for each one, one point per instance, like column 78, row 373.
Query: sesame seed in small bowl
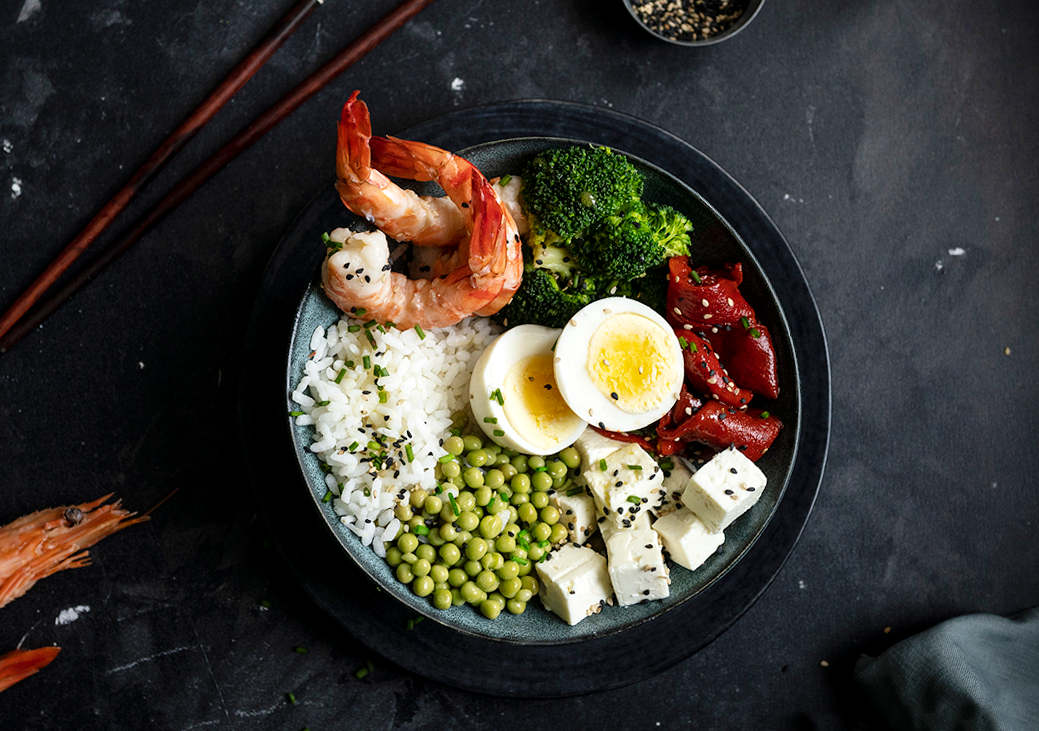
column 693, row 22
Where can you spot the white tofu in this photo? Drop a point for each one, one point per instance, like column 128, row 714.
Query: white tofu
column 637, row 568
column 574, row 582
column 577, row 513
column 688, row 541
column 675, row 481
column 624, row 488
column 608, row 527
column 593, row 446
column 724, row 489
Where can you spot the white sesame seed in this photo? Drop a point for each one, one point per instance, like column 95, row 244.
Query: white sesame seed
column 731, row 303
column 687, row 327
column 677, row 311
column 707, row 316
column 704, row 302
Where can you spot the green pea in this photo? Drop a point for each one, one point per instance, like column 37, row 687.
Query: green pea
column 507, row 470
column 505, row 544
column 432, row 505
column 503, row 459
column 418, row 496
column 524, row 595
column 535, row 462
column 535, row 552
column 449, row 554
column 477, row 458
column 513, row 515
column 527, row 513
column 472, row 568
column 451, row 469
column 457, row 599
column 403, row 512
column 508, row 570
column 559, row 533
column 456, row 577
column 427, row 552
column 558, row 482
column 472, row 442
column 520, row 462
column 441, row 585
column 416, row 521
column 438, row 572
column 404, row 573
column 465, row 501
column 457, row 481
column 539, row 499
column 541, row 481
column 489, row 609
column 467, row 521
column 393, row 556
column 435, row 539
column 494, row 479
column 496, row 505
column 550, row 514
column 408, row 558
column 461, row 538
column 407, row 543
column 525, row 569
column 442, row 599
column 490, row 526
column 483, row 494
column 531, row 585
column 472, row 593
column 476, row 548
column 520, row 483
column 487, row 581
column 498, row 599
column 519, row 498
column 447, row 515
column 422, row 586
column 454, row 445
column 516, row 607
column 570, row 458
column 510, row 587
column 541, row 531
column 492, row 561
column 473, row 477
column 556, row 469
column 520, row 553
column 421, row 567
column 447, row 532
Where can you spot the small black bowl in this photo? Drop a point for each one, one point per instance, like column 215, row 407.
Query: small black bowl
column 753, row 6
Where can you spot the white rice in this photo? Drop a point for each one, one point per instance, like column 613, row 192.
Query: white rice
column 427, row 382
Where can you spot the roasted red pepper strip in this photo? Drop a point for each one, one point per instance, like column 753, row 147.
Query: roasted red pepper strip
column 749, row 356
column 752, row 431
column 630, row 438
column 704, row 373
column 706, row 298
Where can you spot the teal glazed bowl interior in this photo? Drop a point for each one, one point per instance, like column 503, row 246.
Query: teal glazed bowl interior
column 714, row 242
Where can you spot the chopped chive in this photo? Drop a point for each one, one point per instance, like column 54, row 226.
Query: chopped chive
column 350, row 364
column 498, row 433
column 765, row 414
column 359, row 311
column 695, row 276
column 295, row 413
column 496, row 396
column 322, row 403
column 633, row 466
column 391, row 324
column 692, row 347
column 634, row 499
column 341, row 375
column 504, row 180
column 371, row 338
column 352, row 446
column 666, row 464
column 409, row 452
column 490, row 420
column 523, row 543
column 542, row 468
column 373, row 446
column 301, row 650
column 446, row 458
column 755, row 333
column 504, row 497
column 517, row 559
column 543, row 544
column 683, row 343
column 454, row 504
column 602, row 465
column 328, row 497
column 381, row 329
column 367, row 362
column 421, row 333
column 291, row 698
column 574, row 491
column 325, row 238
column 745, row 322
column 370, row 323
column 438, row 489
column 324, row 467
column 421, row 530
column 383, row 396
column 353, row 328
column 491, row 501
column 361, row 673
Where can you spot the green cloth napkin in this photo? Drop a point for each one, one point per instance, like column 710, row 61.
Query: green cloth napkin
column 979, row 671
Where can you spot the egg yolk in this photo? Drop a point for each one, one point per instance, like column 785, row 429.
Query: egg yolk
column 532, row 402
column 629, row 362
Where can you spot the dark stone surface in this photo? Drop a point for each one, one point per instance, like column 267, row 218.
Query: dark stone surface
column 879, row 135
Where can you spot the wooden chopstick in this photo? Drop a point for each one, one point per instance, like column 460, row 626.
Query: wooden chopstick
column 205, row 111
column 240, row 142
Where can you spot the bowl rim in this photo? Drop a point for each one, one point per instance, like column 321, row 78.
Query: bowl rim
column 346, row 539
column 753, row 8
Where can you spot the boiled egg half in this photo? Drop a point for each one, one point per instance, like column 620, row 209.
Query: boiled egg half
column 514, row 395
column 619, row 364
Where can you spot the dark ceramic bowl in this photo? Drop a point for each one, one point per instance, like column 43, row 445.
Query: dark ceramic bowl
column 714, row 242
column 753, row 6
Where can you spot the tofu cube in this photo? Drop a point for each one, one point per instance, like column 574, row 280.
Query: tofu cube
column 574, row 583
column 638, row 571
column 593, row 446
column 624, row 488
column 607, row 527
column 724, row 489
column 675, row 481
column 577, row 513
column 688, row 541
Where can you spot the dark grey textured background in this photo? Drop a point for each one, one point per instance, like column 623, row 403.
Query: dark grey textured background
column 879, row 135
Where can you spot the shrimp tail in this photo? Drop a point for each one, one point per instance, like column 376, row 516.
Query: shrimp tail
column 48, row 541
column 17, row 665
column 488, row 253
column 353, row 152
column 419, row 161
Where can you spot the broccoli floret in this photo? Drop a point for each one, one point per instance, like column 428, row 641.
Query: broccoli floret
column 548, row 251
column 541, row 301
column 671, row 230
column 650, row 290
column 571, row 189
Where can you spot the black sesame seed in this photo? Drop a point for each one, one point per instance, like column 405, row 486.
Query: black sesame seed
column 728, row 492
column 732, row 470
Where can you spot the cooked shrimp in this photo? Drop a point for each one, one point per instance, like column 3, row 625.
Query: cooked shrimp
column 18, row 665
column 47, row 541
column 401, row 213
